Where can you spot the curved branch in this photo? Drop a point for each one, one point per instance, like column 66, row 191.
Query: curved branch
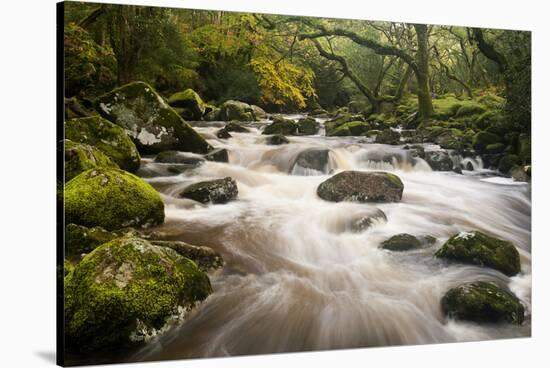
column 488, row 50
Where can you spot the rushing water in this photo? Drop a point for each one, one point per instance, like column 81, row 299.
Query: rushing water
column 297, row 277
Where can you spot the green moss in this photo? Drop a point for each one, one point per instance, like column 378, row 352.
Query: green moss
column 190, row 101
column 125, row 289
column 352, row 128
column 107, row 137
column 491, row 101
column 307, row 126
column 483, row 302
column 495, row 148
column 81, row 239
column 112, row 199
column 149, row 120
column 446, row 107
column 489, row 118
column 401, row 242
column 482, row 139
column 507, row 162
column 281, row 126
column 478, row 248
column 81, row 157
column 469, row 108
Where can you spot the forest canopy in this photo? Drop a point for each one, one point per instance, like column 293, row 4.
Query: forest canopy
column 288, row 63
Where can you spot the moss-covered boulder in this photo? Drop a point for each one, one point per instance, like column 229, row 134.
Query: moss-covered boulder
column 277, row 139
column 236, row 110
column 149, row 120
column 480, row 249
column 81, row 239
column 213, row 115
column 281, row 126
column 191, row 101
column 234, row 126
column 307, row 126
column 206, row 258
column 126, row 290
column 483, row 139
column 214, row 191
column 401, row 242
column 81, row 157
column 359, row 186
column 482, row 302
column 352, row 128
column 109, row 138
column 388, row 136
column 258, row 112
column 112, row 199
column 439, row 160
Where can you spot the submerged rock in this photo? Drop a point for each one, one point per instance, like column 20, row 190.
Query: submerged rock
column 106, row 137
column 401, row 242
column 206, row 258
column 307, row 126
column 223, row 133
column 175, row 157
column 355, row 223
column 234, row 126
column 126, row 290
column 482, row 302
column 112, row 199
column 215, row 191
column 149, row 120
column 81, row 157
column 359, row 186
column 480, row 249
column 439, row 160
column 313, row 159
column 218, row 155
column 277, row 139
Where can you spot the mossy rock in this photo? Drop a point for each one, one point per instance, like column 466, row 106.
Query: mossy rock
column 218, row 155
column 81, row 157
column 109, row 138
column 213, row 115
column 126, row 290
column 352, row 128
column 307, row 126
column 482, row 302
column 401, row 242
column 176, row 157
column 507, row 162
column 277, row 139
column 439, row 160
column 112, row 199
column 521, row 173
column 234, row 126
column 359, row 186
column 149, row 120
column 482, row 139
column 281, row 126
column 214, row 191
column 495, row 148
column 258, row 113
column 469, row 108
column 342, row 119
column 190, row 100
column 480, row 249
column 206, row 258
column 388, row 136
column 489, row 118
column 81, row 239
column 236, row 110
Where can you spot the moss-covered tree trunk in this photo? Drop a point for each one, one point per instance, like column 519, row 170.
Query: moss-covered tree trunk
column 425, row 106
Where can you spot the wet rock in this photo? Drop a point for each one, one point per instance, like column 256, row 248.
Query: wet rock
column 521, row 173
column 307, row 126
column 477, row 248
column 126, row 290
column 313, row 158
column 223, row 133
column 107, row 137
column 217, row 155
column 215, row 191
column 281, row 126
column 482, row 302
column 236, row 110
column 81, row 239
column 439, row 160
column 149, row 120
column 457, row 170
column 358, row 186
column 258, row 112
column 112, row 199
column 388, row 136
column 507, row 162
column 213, row 115
column 175, row 157
column 469, row 166
column 277, row 139
column 234, row 126
column 206, row 258
column 81, row 157
column 190, row 101
column 401, row 242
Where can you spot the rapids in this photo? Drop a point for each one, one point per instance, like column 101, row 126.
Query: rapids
column 297, row 277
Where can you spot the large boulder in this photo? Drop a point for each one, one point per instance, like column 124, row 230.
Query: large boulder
column 277, row 139
column 258, row 112
column 236, row 110
column 439, row 160
column 359, row 186
column 477, row 248
column 401, row 242
column 112, row 199
column 149, row 120
column 81, row 239
column 313, row 159
column 81, row 157
column 307, row 126
column 107, row 137
column 281, row 126
column 215, row 191
column 206, row 258
column 125, row 291
column 192, row 105
column 482, row 302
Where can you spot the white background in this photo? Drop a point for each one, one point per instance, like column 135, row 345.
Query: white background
column 27, row 226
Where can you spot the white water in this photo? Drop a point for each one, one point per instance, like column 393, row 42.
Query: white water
column 298, row 279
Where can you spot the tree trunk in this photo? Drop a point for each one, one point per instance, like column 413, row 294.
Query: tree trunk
column 425, row 107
